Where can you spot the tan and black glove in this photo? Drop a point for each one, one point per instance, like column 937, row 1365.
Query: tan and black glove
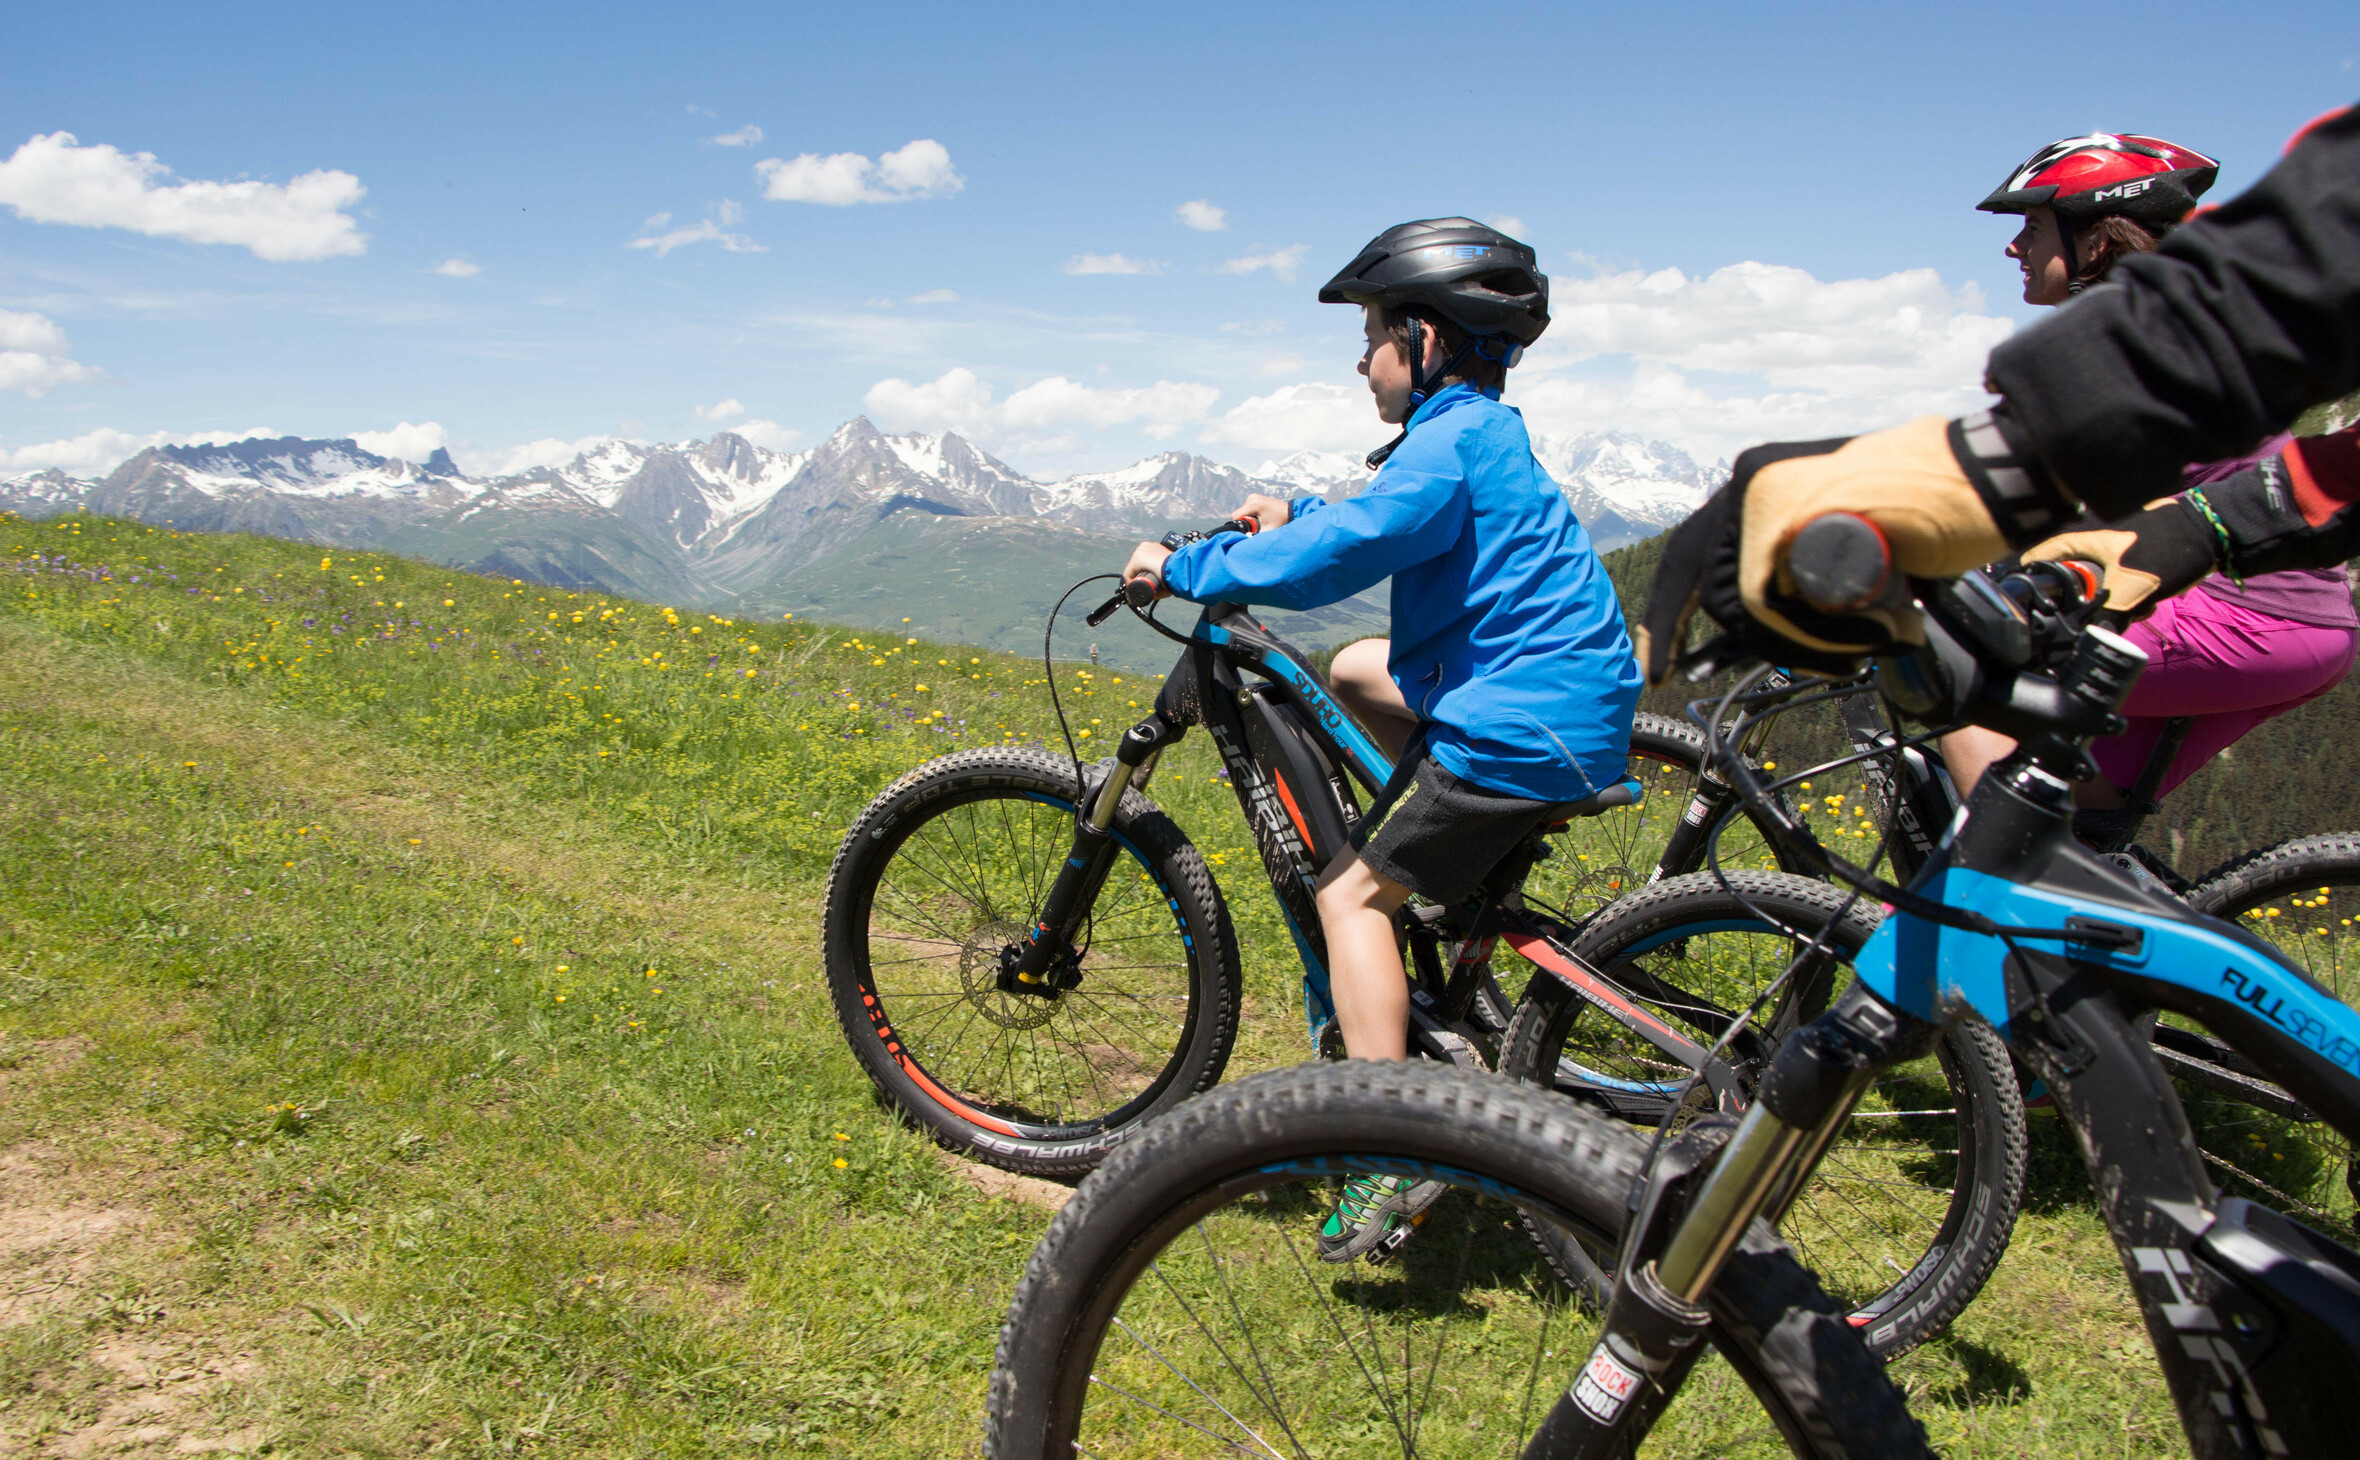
column 1939, row 492
column 2162, row 552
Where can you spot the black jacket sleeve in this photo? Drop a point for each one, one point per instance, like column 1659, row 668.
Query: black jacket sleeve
column 2242, row 320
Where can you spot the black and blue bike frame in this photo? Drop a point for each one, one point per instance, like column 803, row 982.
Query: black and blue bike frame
column 1294, row 757
column 2255, row 1317
column 1292, row 754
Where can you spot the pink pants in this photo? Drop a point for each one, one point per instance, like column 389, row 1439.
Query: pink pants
column 2225, row 667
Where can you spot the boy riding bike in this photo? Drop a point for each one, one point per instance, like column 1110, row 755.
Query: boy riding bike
column 1508, row 684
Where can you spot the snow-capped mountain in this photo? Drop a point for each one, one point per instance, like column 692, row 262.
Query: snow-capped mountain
column 723, row 522
column 1624, row 488
column 1334, row 475
column 1174, row 487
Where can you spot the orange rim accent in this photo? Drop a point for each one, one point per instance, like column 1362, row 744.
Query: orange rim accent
column 918, row 1076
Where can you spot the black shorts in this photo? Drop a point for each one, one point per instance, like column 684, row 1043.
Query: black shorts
column 1437, row 835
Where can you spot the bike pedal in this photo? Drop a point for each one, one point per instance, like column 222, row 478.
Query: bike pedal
column 1392, row 1242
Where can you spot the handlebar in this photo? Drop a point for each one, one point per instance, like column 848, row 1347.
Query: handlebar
column 1841, row 562
column 1143, row 590
column 1982, row 624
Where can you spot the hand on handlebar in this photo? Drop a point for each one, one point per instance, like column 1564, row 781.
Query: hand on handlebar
column 1730, row 557
column 1264, row 512
column 1147, row 563
column 2161, row 552
column 1143, row 575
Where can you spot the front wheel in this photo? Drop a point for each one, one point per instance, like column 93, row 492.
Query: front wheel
column 1911, row 1207
column 2303, row 898
column 941, row 876
column 1179, row 1304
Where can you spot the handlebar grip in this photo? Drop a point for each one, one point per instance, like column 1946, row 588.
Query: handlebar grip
column 1841, row 562
column 1141, row 591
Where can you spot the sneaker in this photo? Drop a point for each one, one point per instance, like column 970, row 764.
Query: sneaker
column 1372, row 1209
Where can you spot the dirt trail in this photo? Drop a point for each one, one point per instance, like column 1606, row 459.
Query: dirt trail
column 79, row 1256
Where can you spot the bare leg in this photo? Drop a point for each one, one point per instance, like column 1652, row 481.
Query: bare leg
column 1356, row 907
column 1364, row 683
column 1971, row 750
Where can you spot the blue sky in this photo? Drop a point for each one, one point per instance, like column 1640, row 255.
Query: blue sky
column 1836, row 149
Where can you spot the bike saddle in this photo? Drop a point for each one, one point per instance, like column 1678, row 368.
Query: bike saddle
column 1613, row 798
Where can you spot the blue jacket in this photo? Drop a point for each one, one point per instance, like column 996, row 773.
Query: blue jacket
column 1507, row 636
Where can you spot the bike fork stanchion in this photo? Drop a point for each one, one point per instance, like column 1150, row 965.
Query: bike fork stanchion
column 1684, row 850
column 1034, row 971
column 1656, row 1322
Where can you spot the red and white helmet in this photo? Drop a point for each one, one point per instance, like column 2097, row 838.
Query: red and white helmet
column 2152, row 182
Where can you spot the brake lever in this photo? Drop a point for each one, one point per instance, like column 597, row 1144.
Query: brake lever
column 1105, row 611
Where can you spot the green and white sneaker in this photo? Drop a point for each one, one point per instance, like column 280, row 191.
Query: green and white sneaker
column 1375, row 1211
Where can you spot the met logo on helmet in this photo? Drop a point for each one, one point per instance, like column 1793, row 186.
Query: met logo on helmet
column 2124, row 190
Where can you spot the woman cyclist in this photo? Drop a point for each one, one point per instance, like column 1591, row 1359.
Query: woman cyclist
column 2232, row 652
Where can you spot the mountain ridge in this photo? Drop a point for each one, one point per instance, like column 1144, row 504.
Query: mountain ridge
column 722, row 524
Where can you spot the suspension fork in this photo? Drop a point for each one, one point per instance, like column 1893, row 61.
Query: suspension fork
column 1040, row 965
column 1684, row 850
column 1656, row 1323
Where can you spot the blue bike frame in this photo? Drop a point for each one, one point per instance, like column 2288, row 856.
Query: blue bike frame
column 2255, row 1317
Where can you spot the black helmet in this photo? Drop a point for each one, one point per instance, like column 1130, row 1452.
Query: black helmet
column 1475, row 276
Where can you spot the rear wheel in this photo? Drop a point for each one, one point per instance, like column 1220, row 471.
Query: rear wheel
column 940, row 877
column 1177, row 1305
column 1599, row 858
column 2303, row 897
column 1911, row 1207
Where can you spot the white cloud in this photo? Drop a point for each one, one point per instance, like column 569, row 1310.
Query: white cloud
column 54, row 179
column 656, row 234
column 959, row 400
column 1280, row 261
column 34, row 355
column 1507, row 223
column 405, row 441
column 1310, row 416
column 719, row 410
column 745, row 136
column 702, row 111
column 457, row 269
column 1790, row 356
column 1109, row 263
column 548, row 451
column 95, row 453
column 936, row 296
column 769, row 435
column 1203, row 216
column 1751, row 352
column 921, row 169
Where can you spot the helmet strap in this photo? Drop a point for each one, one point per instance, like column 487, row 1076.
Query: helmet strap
column 2073, row 283
column 1417, row 382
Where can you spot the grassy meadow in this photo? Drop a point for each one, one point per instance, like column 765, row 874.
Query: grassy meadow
column 412, row 1038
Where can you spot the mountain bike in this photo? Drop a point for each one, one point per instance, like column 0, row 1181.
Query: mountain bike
column 2255, row 1317
column 1030, row 959
column 2302, row 894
